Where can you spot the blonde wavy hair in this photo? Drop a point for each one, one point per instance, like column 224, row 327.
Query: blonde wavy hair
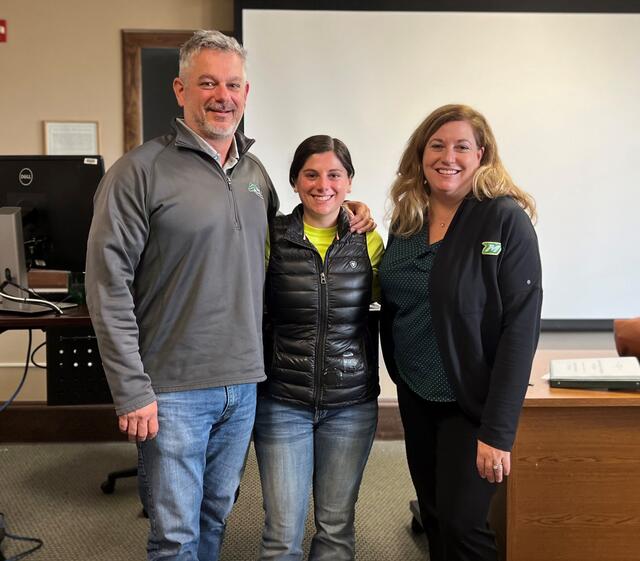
column 410, row 191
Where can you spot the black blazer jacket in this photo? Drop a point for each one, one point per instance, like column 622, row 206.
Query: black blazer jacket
column 486, row 299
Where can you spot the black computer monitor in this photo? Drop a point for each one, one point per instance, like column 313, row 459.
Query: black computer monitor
column 55, row 194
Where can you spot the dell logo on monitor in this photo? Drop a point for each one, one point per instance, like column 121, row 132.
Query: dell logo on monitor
column 25, row 177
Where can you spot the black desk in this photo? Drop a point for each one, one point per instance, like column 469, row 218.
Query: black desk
column 76, row 385
column 73, row 317
column 74, row 369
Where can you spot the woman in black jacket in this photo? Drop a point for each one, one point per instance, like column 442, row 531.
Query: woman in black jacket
column 317, row 411
column 461, row 284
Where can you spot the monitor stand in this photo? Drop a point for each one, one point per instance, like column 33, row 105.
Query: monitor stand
column 13, row 271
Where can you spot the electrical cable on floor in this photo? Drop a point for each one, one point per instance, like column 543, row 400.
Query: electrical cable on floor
column 7, row 536
column 4, row 535
column 24, row 376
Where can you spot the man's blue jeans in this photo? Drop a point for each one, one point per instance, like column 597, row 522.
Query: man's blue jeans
column 297, row 445
column 191, row 471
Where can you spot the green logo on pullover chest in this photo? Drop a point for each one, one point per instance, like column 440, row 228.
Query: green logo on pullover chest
column 255, row 189
column 491, row 248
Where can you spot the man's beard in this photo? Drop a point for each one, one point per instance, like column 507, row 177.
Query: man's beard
column 214, row 132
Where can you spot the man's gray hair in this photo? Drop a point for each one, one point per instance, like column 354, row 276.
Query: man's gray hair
column 208, row 39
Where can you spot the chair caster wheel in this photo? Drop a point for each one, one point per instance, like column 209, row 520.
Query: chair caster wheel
column 416, row 527
column 416, row 519
column 108, row 487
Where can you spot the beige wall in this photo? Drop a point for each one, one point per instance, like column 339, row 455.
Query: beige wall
column 63, row 61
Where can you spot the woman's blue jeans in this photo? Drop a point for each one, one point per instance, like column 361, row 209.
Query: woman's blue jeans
column 297, row 446
column 191, row 471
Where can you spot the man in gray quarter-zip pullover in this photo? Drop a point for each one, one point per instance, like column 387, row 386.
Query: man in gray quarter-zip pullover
column 175, row 272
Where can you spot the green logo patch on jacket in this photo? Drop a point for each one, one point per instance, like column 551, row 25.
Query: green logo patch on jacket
column 253, row 188
column 491, row 248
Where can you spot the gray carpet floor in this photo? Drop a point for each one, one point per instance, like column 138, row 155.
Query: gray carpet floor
column 52, row 491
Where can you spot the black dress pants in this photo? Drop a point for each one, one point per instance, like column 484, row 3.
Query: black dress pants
column 441, row 445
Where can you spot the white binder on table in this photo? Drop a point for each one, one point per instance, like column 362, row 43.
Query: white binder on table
column 610, row 373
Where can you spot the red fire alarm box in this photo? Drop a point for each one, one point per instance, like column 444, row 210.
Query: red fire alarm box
column 3, row 30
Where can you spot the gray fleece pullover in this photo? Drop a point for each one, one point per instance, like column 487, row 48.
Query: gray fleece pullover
column 175, row 269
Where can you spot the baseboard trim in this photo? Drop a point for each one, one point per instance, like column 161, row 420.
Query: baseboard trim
column 389, row 422
column 35, row 421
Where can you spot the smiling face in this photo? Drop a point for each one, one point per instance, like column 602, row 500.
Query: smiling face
column 450, row 159
column 322, row 185
column 213, row 92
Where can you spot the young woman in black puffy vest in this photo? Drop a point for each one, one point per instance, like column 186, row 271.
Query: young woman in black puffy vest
column 317, row 411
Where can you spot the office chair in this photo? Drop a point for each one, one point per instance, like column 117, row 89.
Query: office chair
column 626, row 333
column 416, row 519
column 109, row 485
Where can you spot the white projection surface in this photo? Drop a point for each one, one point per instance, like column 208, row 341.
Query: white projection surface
column 561, row 91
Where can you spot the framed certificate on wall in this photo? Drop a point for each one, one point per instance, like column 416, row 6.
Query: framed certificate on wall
column 71, row 138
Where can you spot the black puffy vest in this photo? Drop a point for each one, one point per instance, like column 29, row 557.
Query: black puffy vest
column 318, row 349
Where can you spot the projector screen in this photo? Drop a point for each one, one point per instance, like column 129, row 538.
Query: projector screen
column 561, row 92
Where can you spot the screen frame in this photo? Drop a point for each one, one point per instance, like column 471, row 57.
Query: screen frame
column 76, row 199
column 545, row 6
